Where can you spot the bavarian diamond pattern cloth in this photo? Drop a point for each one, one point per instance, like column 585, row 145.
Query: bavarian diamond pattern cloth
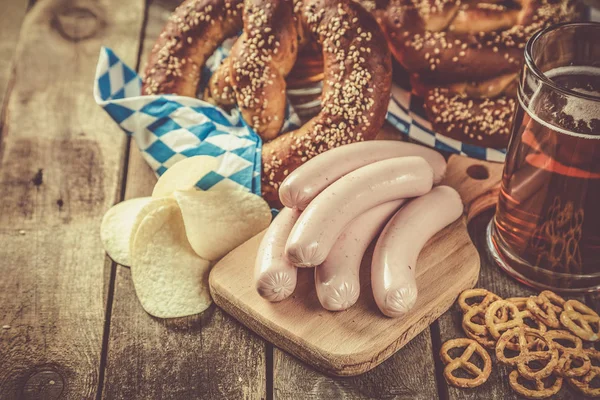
column 406, row 113
column 169, row 128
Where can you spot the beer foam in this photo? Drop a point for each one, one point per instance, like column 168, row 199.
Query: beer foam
column 581, row 109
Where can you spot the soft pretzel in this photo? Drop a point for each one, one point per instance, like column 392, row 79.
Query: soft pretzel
column 464, row 57
column 447, row 41
column 356, row 88
column 194, row 31
column 260, row 60
column 481, row 121
column 357, row 71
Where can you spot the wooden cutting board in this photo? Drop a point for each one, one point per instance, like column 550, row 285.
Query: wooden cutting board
column 354, row 341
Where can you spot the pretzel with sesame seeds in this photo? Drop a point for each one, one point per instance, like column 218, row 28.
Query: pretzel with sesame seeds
column 448, row 41
column 192, row 33
column 260, row 60
column 484, row 122
column 464, row 57
column 356, row 83
column 356, row 88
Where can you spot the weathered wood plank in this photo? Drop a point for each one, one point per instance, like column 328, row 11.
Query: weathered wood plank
column 409, row 374
column 210, row 356
column 494, row 279
column 11, row 19
column 60, row 168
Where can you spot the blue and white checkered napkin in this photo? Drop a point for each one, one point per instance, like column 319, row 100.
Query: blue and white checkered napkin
column 169, row 128
column 406, row 113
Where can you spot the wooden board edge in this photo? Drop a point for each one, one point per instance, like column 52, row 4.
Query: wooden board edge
column 328, row 363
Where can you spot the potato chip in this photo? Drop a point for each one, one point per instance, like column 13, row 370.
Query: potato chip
column 216, row 221
column 144, row 211
column 117, row 228
column 170, row 280
column 184, row 175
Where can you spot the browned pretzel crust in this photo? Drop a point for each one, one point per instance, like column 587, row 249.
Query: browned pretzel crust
column 356, row 88
column 260, row 60
column 480, row 121
column 357, row 72
column 451, row 40
column 193, row 32
column 464, row 56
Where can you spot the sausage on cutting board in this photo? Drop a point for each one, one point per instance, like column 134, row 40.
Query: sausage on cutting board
column 274, row 275
column 398, row 247
column 311, row 178
column 327, row 215
column 337, row 279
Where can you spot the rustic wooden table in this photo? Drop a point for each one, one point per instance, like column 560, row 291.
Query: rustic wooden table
column 70, row 324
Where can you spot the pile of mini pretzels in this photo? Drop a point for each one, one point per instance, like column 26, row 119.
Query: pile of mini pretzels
column 541, row 337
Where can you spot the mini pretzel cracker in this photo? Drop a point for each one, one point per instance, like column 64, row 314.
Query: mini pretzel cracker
column 462, row 362
column 586, row 327
column 565, row 336
column 532, row 341
column 488, row 297
column 527, row 315
column 485, row 340
column 581, row 320
column 520, row 302
column 473, row 324
column 569, row 354
column 554, row 299
column 540, row 391
column 527, row 354
column 495, row 327
column 574, row 305
column 521, row 324
column 545, row 307
column 583, row 384
column 474, row 321
column 565, row 364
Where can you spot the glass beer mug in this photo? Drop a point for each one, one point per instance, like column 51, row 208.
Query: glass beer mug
column 546, row 231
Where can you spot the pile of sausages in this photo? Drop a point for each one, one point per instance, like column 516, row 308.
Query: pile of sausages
column 335, row 206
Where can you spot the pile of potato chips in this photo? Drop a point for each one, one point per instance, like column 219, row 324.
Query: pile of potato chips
column 171, row 238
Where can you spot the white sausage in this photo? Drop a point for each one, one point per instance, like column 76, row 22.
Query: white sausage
column 274, row 275
column 311, row 178
column 397, row 249
column 324, row 219
column 336, row 280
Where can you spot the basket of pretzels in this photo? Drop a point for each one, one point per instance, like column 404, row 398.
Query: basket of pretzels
column 546, row 340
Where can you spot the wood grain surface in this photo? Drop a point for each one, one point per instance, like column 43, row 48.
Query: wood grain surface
column 402, row 376
column 11, row 18
column 60, row 168
column 493, row 279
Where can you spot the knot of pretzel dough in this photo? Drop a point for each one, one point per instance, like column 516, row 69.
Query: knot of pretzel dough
column 356, row 82
column 259, row 61
column 464, row 56
column 448, row 41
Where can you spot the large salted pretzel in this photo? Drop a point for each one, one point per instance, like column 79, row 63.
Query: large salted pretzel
column 464, row 57
column 357, row 75
column 466, row 40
